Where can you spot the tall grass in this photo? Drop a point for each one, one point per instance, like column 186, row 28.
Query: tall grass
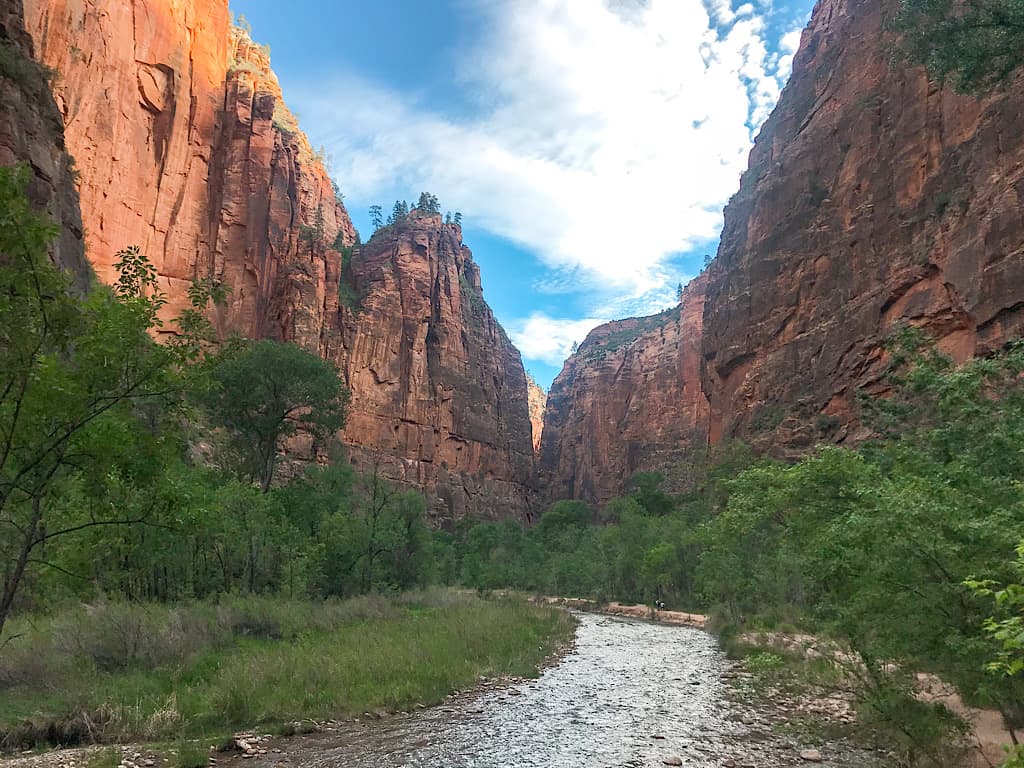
column 111, row 672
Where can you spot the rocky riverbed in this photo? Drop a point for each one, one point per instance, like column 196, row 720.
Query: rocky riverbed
column 630, row 693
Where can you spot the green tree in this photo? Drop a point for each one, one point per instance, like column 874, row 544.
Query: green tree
column 977, row 44
column 76, row 374
column 428, row 203
column 399, row 213
column 376, row 217
column 266, row 392
column 379, row 541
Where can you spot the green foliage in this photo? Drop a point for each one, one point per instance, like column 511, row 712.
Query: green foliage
column 428, row 203
column 976, row 44
column 376, row 217
column 33, row 78
column 264, row 393
column 399, row 213
column 80, row 381
column 873, row 546
column 597, row 347
column 204, row 668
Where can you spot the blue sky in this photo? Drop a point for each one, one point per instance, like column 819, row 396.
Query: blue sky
column 589, row 144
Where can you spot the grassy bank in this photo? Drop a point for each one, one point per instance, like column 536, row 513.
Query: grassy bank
column 118, row 672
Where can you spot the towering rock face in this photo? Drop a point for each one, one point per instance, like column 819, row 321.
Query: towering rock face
column 536, row 399
column 184, row 147
column 31, row 132
column 629, row 400
column 439, row 396
column 872, row 199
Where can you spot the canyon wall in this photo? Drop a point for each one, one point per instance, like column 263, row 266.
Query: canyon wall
column 439, row 397
column 536, row 399
column 628, row 400
column 873, row 199
column 31, row 132
column 185, row 147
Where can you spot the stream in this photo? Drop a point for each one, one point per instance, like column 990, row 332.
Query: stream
column 625, row 683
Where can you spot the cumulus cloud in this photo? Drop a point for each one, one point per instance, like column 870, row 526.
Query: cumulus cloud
column 604, row 141
column 549, row 339
column 604, row 137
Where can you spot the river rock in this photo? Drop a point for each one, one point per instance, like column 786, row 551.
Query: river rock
column 810, row 755
column 672, row 760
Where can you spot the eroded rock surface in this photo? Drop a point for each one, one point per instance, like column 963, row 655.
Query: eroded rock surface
column 537, row 399
column 873, row 198
column 186, row 148
column 629, row 400
column 31, row 132
column 439, row 394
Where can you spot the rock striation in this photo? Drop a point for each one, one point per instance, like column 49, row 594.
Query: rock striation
column 31, row 132
column 536, row 399
column 439, row 394
column 873, row 198
column 185, row 147
column 628, row 400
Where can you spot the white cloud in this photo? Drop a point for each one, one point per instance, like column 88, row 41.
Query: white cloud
column 549, row 339
column 604, row 143
column 603, row 140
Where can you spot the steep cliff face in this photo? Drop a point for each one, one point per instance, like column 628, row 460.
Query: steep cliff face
column 31, row 132
column 439, row 397
column 184, row 147
column 629, row 400
column 872, row 199
column 536, row 400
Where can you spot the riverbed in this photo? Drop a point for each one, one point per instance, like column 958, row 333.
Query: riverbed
column 631, row 693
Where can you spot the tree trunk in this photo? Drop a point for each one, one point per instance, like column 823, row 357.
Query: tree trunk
column 14, row 578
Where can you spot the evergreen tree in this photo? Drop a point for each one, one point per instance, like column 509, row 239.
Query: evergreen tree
column 457, row 218
column 399, row 213
column 428, row 203
column 376, row 217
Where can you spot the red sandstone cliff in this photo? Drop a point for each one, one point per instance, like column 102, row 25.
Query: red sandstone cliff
column 31, row 132
column 438, row 391
column 629, row 400
column 186, row 148
column 873, row 198
column 536, row 399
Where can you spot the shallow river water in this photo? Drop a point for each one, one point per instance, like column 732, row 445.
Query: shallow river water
column 625, row 683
